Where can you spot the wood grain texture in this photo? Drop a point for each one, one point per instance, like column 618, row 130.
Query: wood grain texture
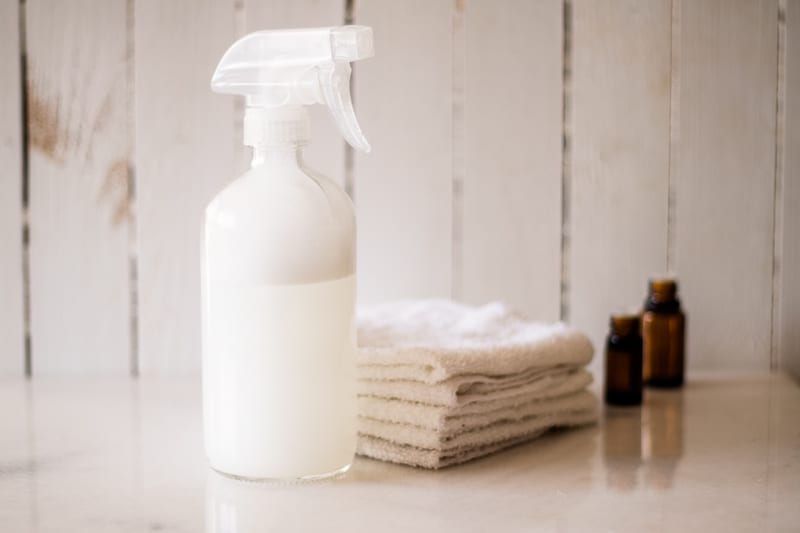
column 186, row 147
column 403, row 189
column 511, row 195
column 326, row 150
column 12, row 356
column 790, row 266
column 725, row 177
column 78, row 186
column 620, row 157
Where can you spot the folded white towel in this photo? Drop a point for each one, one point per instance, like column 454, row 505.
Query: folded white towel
column 445, row 418
column 576, row 408
column 433, row 340
column 460, row 391
column 385, row 450
column 441, row 383
column 392, row 451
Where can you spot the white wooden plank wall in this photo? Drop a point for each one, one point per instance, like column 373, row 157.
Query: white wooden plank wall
column 511, row 205
column 670, row 163
column 403, row 189
column 12, row 335
column 789, row 269
column 725, row 178
column 620, row 105
column 186, row 148
column 326, row 152
column 77, row 110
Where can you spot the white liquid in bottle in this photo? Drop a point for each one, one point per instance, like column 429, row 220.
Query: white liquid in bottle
column 279, row 345
column 279, row 391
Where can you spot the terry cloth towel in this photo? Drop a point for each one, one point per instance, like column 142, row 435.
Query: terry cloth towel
column 441, row 383
column 487, row 429
column 394, row 452
column 432, row 340
column 445, row 418
column 461, row 391
column 389, row 451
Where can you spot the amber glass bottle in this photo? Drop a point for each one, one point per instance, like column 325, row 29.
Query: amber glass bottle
column 624, row 361
column 663, row 326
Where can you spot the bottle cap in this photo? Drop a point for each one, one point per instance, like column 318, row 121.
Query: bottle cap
column 624, row 324
column 662, row 289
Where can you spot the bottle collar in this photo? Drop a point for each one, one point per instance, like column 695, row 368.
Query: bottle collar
column 274, row 127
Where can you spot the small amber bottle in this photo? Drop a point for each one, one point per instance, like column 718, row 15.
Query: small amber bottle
column 663, row 326
column 624, row 361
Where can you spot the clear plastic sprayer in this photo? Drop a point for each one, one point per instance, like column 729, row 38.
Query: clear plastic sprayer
column 281, row 71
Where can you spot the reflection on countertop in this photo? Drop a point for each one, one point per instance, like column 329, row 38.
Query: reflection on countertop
column 119, row 455
column 646, row 438
column 370, row 496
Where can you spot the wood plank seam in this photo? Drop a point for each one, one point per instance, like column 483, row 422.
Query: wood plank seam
column 26, row 273
column 13, row 236
column 133, row 242
column 565, row 162
column 787, row 317
column 674, row 128
column 777, row 212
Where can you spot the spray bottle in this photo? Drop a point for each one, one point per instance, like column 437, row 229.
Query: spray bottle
column 278, row 276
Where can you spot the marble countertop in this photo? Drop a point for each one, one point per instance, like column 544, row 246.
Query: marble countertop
column 126, row 455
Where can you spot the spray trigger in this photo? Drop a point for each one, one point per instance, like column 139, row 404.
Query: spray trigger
column 271, row 69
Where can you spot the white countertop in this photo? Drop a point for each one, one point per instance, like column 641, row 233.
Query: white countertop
column 112, row 455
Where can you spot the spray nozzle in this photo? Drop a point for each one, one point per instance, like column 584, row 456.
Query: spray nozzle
column 288, row 69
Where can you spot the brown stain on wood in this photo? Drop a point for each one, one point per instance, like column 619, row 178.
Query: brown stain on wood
column 48, row 134
column 115, row 191
column 45, row 131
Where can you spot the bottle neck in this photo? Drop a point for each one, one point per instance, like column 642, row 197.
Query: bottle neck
column 624, row 325
column 285, row 154
column 276, row 135
column 663, row 295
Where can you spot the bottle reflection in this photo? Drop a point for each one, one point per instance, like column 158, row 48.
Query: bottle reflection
column 237, row 506
column 221, row 508
column 648, row 439
column 622, row 447
column 234, row 506
column 662, row 437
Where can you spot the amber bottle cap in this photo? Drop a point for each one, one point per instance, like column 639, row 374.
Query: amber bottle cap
column 624, row 324
column 663, row 289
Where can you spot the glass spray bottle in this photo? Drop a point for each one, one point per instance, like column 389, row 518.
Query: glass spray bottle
column 279, row 285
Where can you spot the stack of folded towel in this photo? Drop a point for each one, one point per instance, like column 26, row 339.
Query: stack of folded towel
column 441, row 383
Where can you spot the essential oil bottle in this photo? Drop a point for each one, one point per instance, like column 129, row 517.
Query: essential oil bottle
column 663, row 331
column 623, row 385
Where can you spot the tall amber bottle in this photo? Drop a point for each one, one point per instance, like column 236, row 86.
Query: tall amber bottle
column 663, row 331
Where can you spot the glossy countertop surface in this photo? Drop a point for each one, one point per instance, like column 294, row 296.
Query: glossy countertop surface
column 91, row 455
